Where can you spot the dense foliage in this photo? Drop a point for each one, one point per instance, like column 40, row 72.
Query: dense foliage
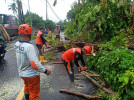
column 49, row 25
column 115, row 64
column 38, row 21
column 97, row 22
column 62, row 25
column 72, row 13
column 110, row 22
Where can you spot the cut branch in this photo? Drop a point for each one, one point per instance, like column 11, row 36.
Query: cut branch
column 79, row 94
column 61, row 62
column 93, row 75
column 97, row 84
column 102, row 83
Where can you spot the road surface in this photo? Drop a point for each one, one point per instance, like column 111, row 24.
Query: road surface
column 11, row 85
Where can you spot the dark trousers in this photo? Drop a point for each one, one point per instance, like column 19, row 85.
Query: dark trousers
column 40, row 48
column 71, row 75
column 57, row 37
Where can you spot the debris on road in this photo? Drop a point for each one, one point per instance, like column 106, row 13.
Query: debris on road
column 80, row 94
column 97, row 84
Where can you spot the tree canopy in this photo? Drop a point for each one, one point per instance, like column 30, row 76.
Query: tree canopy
column 38, row 21
column 72, row 13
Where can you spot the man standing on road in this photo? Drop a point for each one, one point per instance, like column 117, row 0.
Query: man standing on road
column 28, row 63
column 40, row 41
column 57, row 32
column 75, row 54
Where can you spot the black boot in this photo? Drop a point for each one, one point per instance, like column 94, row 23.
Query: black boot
column 27, row 96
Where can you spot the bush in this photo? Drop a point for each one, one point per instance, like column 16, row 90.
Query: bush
column 115, row 64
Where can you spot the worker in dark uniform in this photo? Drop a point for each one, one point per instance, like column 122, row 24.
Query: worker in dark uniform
column 40, row 41
column 75, row 54
column 2, row 47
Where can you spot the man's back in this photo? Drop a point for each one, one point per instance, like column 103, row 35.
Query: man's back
column 24, row 52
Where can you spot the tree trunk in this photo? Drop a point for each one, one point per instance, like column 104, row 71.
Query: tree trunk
column 79, row 4
column 20, row 12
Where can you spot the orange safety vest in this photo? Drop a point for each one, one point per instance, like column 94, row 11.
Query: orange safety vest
column 38, row 39
column 68, row 55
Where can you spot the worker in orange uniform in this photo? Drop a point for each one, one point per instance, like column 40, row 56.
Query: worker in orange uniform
column 40, row 41
column 28, row 63
column 75, row 54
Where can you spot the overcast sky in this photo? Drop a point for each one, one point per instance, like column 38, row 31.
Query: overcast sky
column 39, row 7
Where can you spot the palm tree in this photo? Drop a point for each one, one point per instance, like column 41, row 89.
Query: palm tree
column 13, row 7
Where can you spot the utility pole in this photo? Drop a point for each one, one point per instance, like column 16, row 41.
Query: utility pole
column 29, row 13
column 46, row 9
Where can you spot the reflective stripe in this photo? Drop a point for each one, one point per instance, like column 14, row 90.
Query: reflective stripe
column 74, row 50
column 68, row 65
column 38, row 39
column 33, row 65
column 38, row 35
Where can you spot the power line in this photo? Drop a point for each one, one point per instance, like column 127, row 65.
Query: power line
column 54, row 11
column 49, row 7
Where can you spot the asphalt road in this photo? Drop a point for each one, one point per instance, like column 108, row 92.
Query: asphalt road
column 11, row 84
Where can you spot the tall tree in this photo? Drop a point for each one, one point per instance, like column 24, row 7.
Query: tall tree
column 16, row 6
column 37, row 21
column 20, row 12
column 49, row 24
column 13, row 7
column 74, row 10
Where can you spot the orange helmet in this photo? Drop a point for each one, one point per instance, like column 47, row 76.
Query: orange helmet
column 25, row 29
column 88, row 48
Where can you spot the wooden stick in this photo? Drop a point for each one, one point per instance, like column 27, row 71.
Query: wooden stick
column 79, row 94
column 97, row 84
column 93, row 75
column 76, row 75
column 102, row 83
column 57, row 62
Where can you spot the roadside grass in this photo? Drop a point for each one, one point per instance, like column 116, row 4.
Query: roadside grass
column 50, row 56
column 33, row 37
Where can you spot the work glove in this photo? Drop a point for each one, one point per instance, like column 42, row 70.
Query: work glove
column 83, row 69
column 47, row 71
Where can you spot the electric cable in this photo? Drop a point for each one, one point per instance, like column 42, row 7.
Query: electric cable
column 54, row 11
